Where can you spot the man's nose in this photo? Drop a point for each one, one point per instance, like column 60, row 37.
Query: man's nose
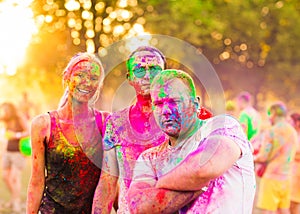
column 147, row 74
column 87, row 81
column 166, row 109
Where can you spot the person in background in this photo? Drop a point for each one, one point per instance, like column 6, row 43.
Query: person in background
column 67, row 143
column 206, row 166
column 13, row 161
column 27, row 107
column 230, row 108
column 278, row 150
column 249, row 118
column 129, row 131
column 295, row 194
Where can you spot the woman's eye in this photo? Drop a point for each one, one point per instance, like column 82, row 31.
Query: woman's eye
column 78, row 75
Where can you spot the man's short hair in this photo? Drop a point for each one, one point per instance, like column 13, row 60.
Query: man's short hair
column 146, row 48
column 279, row 108
column 171, row 74
column 245, row 95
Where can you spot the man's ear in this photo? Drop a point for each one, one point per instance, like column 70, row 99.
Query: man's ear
column 197, row 101
column 129, row 78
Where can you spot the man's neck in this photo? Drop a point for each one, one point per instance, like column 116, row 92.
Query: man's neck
column 278, row 120
column 143, row 99
column 194, row 127
column 74, row 109
column 143, row 104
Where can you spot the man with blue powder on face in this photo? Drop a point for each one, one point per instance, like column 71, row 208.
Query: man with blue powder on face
column 205, row 167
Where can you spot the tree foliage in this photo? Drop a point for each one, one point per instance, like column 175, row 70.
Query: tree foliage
column 253, row 45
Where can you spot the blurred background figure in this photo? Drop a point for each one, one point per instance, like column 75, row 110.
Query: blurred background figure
column 230, row 108
column 13, row 162
column 277, row 151
column 249, row 118
column 295, row 194
column 27, row 107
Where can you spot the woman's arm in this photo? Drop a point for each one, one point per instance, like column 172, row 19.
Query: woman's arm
column 40, row 130
column 106, row 190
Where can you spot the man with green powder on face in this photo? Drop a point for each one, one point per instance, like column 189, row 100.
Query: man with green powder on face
column 205, row 167
column 129, row 132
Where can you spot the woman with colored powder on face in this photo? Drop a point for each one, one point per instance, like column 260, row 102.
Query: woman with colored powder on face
column 67, row 143
column 129, row 132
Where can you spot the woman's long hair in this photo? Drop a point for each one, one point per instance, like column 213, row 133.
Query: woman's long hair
column 13, row 115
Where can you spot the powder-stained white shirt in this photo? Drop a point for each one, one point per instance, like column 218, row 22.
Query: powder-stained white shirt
column 233, row 192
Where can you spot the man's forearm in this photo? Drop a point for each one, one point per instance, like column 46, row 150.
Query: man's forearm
column 186, row 177
column 159, row 200
column 206, row 163
column 183, row 178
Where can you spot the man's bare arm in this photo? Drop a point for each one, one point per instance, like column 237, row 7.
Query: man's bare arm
column 216, row 155
column 143, row 198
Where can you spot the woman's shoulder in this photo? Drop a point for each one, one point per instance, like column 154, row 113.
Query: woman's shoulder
column 41, row 120
column 40, row 127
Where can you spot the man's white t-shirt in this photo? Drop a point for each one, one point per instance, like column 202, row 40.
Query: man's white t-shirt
column 233, row 192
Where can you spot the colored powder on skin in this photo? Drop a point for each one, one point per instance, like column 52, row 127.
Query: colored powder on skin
column 178, row 160
column 160, row 196
column 162, row 93
column 268, row 148
column 119, row 154
column 160, row 81
column 129, row 65
column 95, row 69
